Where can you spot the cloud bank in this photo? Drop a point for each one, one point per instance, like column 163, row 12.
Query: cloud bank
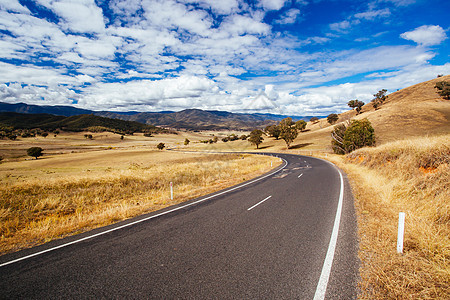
column 153, row 55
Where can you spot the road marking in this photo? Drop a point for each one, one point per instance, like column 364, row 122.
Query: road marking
column 326, row 269
column 300, row 175
column 259, row 203
column 142, row 220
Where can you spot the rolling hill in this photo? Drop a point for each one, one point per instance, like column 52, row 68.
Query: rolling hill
column 414, row 111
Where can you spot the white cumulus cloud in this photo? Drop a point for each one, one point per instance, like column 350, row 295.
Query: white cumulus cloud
column 426, row 35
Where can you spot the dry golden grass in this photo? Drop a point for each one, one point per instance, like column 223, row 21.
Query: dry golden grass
column 410, row 176
column 49, row 198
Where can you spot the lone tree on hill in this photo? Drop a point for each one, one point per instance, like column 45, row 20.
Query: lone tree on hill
column 314, row 120
column 35, row 152
column 356, row 104
column 379, row 99
column 161, row 146
column 443, row 89
column 358, row 134
column 256, row 138
column 300, row 125
column 332, row 118
column 288, row 132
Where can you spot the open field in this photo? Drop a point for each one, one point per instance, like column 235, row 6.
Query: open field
column 95, row 183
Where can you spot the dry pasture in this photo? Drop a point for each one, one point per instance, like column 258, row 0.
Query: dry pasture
column 63, row 194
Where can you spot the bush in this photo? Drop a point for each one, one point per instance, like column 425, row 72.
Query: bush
column 358, row 134
column 443, row 89
column 186, row 142
column 161, row 146
column 314, row 120
column 332, row 118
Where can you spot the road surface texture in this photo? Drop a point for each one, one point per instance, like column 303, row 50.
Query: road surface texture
column 265, row 239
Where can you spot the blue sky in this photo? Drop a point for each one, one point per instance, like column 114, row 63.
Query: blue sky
column 304, row 57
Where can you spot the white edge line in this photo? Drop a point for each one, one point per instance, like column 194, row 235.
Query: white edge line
column 142, row 220
column 326, row 269
column 300, row 175
column 259, row 203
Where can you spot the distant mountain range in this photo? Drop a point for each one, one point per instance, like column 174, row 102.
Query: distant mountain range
column 85, row 122
column 189, row 119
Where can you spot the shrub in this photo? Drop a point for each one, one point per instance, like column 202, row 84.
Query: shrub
column 332, row 118
column 358, row 134
column 161, row 146
column 186, row 142
column 314, row 120
column 443, row 89
column 337, row 139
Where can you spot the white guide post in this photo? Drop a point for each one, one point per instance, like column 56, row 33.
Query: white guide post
column 171, row 190
column 401, row 232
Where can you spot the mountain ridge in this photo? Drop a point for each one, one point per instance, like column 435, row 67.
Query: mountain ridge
column 188, row 119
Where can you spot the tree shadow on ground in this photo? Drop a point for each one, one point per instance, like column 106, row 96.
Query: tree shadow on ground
column 265, row 147
column 298, row 146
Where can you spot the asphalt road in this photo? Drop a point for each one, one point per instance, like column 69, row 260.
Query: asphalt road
column 267, row 239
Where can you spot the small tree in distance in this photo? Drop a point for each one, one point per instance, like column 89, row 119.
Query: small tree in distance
column 379, row 99
column 186, row 142
column 35, row 152
column 300, row 125
column 314, row 120
column 288, row 132
column 356, row 104
column 161, row 146
column 332, row 118
column 273, row 131
column 256, row 138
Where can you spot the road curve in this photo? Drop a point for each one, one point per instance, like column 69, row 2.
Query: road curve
column 268, row 238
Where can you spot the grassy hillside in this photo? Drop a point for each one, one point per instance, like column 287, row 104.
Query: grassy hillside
column 414, row 111
column 410, row 176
